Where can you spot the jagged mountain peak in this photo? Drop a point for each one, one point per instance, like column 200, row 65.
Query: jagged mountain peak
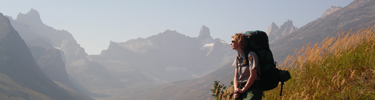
column 287, row 23
column 204, row 33
column 111, row 43
column 287, row 27
column 18, row 63
column 30, row 17
column 168, row 32
column 272, row 28
column 274, row 32
column 6, row 29
column 273, row 24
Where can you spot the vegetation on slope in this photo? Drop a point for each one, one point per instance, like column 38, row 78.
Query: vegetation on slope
column 340, row 67
column 10, row 90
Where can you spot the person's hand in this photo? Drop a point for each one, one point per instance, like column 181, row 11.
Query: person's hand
column 236, row 95
column 238, row 90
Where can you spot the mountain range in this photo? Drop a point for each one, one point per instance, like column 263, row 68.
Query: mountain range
column 21, row 76
column 357, row 15
column 60, row 56
column 137, row 62
column 144, row 68
column 158, row 60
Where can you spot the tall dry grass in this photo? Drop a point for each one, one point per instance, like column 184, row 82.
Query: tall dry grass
column 341, row 67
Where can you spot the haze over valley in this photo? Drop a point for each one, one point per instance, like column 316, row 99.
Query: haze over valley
column 37, row 58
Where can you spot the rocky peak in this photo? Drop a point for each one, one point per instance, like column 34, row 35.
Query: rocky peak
column 274, row 32
column 204, row 33
column 169, row 32
column 287, row 27
column 18, row 63
column 330, row 11
column 272, row 28
column 31, row 17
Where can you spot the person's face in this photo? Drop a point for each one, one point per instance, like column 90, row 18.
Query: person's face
column 234, row 44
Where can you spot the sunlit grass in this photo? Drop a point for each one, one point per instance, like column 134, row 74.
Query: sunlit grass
column 340, row 67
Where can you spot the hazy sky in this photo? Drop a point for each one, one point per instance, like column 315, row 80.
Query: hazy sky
column 94, row 23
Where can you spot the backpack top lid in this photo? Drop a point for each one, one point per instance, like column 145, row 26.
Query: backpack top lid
column 252, row 31
column 258, row 33
column 257, row 38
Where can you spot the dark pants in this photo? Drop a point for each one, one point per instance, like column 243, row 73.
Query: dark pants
column 253, row 93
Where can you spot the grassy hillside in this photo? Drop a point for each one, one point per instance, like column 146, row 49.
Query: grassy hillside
column 11, row 90
column 355, row 16
column 340, row 67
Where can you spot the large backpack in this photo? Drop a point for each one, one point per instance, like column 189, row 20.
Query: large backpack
column 270, row 76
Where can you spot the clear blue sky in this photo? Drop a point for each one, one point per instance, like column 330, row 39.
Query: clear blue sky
column 94, row 23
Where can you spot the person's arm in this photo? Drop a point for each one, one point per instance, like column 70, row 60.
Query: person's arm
column 253, row 72
column 235, row 83
column 250, row 81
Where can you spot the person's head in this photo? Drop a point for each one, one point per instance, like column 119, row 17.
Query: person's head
column 238, row 42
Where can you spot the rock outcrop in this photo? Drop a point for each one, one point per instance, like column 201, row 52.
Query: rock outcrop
column 272, row 29
column 204, row 33
column 330, row 11
column 274, row 32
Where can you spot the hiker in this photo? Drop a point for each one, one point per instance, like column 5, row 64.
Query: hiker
column 246, row 80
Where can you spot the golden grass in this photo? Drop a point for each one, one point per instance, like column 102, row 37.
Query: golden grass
column 340, row 67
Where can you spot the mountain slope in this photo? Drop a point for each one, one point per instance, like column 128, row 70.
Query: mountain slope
column 74, row 58
column 196, row 89
column 357, row 15
column 11, row 90
column 51, row 64
column 17, row 62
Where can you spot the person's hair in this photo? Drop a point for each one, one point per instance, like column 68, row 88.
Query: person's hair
column 239, row 39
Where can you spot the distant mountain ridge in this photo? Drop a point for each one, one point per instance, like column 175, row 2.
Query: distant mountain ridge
column 17, row 62
column 173, row 56
column 32, row 19
column 42, row 38
column 166, row 57
column 356, row 15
